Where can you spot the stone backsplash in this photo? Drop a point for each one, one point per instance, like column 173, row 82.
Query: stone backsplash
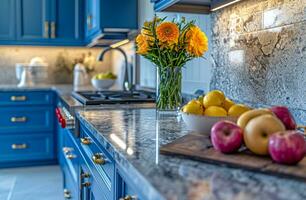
column 259, row 52
column 60, row 59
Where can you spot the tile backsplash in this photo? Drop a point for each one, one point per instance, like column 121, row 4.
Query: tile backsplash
column 60, row 59
column 259, row 52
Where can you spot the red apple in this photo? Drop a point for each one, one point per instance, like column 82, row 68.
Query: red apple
column 287, row 147
column 226, row 136
column 285, row 116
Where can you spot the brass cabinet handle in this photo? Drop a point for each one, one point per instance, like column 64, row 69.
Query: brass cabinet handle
column 67, row 150
column 89, row 21
column 70, row 156
column 85, row 175
column 18, row 119
column 98, row 159
column 67, row 194
column 18, row 98
column 128, row 197
column 86, row 184
column 86, row 141
column 19, row 146
column 53, row 30
column 46, row 29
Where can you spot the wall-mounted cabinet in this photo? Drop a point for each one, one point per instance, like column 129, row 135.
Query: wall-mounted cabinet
column 42, row 22
column 191, row 6
column 7, row 20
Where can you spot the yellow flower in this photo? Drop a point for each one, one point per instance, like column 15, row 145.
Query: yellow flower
column 197, row 41
column 142, row 44
column 168, row 32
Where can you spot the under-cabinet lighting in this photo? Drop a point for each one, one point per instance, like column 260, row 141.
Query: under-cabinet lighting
column 118, row 44
column 224, row 5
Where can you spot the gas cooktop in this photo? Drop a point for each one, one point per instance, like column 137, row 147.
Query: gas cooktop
column 113, row 97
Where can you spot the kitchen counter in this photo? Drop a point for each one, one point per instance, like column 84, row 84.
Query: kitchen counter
column 134, row 136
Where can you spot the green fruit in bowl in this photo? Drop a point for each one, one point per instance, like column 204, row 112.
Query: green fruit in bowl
column 103, row 76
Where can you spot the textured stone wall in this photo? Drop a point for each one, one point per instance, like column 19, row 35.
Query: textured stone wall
column 60, row 59
column 259, row 52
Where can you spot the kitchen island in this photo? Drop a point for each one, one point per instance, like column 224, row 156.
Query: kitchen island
column 134, row 136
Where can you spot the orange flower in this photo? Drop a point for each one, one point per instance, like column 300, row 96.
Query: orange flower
column 197, row 41
column 168, row 32
column 142, row 44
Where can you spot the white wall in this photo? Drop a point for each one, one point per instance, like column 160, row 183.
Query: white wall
column 197, row 73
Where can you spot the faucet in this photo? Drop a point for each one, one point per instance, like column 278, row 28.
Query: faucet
column 128, row 74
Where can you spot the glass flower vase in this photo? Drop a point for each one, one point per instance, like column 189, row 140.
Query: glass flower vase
column 168, row 88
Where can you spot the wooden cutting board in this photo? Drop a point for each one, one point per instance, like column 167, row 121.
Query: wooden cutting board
column 199, row 147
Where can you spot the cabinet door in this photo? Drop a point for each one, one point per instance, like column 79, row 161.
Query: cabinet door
column 7, row 20
column 92, row 17
column 66, row 21
column 33, row 20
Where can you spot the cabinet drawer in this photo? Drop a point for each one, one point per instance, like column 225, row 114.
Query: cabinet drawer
column 70, row 154
column 26, row 119
column 26, row 98
column 70, row 185
column 100, row 162
column 26, row 147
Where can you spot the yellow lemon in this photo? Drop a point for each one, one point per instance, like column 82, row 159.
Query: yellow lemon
column 237, row 110
column 194, row 107
column 215, row 111
column 228, row 103
column 213, row 98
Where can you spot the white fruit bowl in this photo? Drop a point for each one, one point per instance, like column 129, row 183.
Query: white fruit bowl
column 101, row 84
column 203, row 124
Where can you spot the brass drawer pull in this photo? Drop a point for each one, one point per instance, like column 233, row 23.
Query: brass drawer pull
column 18, row 98
column 85, row 175
column 18, row 119
column 19, row 146
column 89, row 21
column 98, row 159
column 67, row 194
column 46, row 29
column 128, row 197
column 86, row 184
column 70, row 156
column 86, row 141
column 67, row 150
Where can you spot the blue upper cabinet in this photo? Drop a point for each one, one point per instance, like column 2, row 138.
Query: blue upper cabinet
column 42, row 22
column 32, row 20
column 110, row 20
column 7, row 20
column 66, row 22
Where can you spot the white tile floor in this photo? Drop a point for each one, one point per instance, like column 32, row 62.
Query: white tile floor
column 31, row 183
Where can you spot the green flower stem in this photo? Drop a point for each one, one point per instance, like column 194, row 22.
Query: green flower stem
column 169, row 88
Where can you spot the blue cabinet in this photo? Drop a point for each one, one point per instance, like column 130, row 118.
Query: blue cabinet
column 42, row 22
column 7, row 20
column 32, row 20
column 110, row 19
column 27, row 128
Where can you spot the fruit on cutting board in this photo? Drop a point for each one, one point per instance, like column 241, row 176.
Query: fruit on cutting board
column 215, row 111
column 237, row 110
column 247, row 116
column 102, row 76
column 285, row 116
column 258, row 130
column 226, row 136
column 287, row 147
column 194, row 107
column 215, row 104
column 213, row 98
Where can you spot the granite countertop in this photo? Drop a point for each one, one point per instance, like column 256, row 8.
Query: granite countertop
column 134, row 136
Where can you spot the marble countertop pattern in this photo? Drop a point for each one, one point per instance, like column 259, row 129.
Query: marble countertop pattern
column 134, row 136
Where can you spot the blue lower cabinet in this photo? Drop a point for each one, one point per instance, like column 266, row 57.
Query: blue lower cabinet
column 26, row 119
column 26, row 98
column 125, row 189
column 70, row 185
column 30, row 147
